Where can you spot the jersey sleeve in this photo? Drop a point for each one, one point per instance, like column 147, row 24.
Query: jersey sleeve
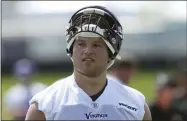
column 141, row 105
column 44, row 99
column 139, row 100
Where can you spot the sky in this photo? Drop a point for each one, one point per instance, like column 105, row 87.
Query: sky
column 172, row 9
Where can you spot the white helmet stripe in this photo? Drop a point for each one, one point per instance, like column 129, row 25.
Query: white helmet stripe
column 93, row 10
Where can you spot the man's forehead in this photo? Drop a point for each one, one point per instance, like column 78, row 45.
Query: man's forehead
column 79, row 38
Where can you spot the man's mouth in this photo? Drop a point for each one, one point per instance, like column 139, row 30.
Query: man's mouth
column 88, row 59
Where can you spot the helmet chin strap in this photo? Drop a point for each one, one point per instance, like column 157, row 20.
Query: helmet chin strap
column 110, row 63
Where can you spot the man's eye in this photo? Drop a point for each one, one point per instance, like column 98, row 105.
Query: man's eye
column 80, row 44
column 97, row 45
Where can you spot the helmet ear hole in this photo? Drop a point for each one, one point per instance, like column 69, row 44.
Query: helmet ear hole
column 70, row 50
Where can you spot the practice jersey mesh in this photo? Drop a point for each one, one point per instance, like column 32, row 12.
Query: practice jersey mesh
column 64, row 100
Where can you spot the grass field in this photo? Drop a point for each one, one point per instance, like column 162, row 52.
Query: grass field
column 142, row 81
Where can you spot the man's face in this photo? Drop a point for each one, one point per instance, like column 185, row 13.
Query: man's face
column 165, row 97
column 90, row 56
column 182, row 81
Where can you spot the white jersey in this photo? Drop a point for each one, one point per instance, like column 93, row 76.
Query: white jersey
column 65, row 100
column 114, row 78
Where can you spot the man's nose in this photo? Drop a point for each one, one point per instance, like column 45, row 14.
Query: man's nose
column 88, row 50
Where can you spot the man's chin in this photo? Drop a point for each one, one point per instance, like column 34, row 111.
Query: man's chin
column 89, row 73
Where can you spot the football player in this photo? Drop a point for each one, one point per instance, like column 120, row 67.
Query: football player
column 94, row 38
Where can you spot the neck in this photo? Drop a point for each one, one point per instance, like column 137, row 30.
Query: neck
column 90, row 85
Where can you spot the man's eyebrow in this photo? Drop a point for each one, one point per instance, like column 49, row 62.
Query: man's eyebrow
column 79, row 40
column 99, row 41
